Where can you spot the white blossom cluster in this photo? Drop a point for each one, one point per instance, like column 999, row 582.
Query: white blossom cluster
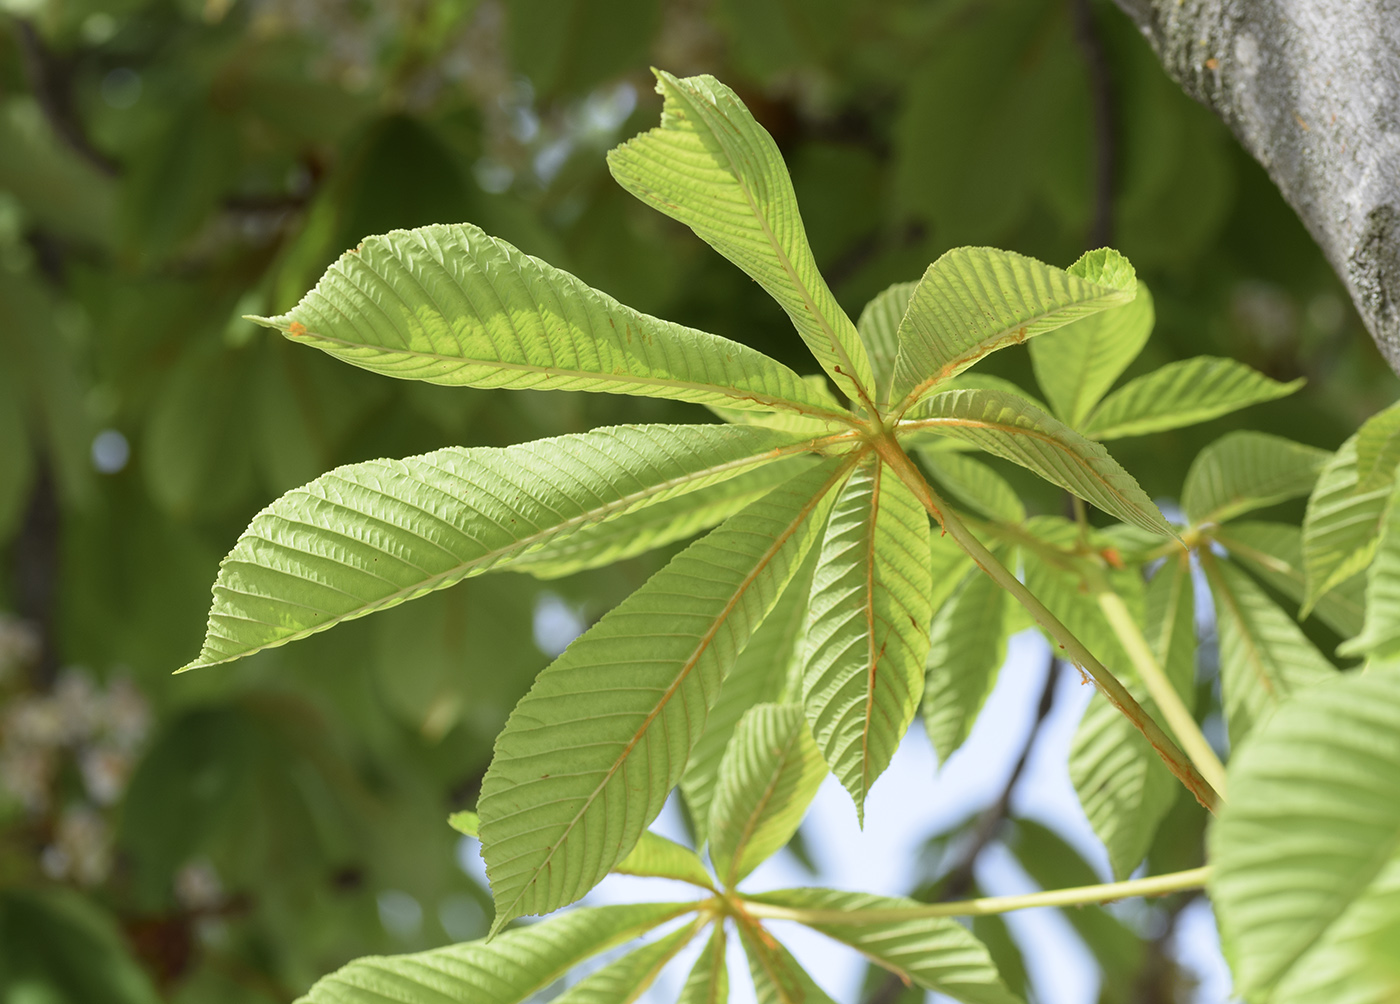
column 99, row 731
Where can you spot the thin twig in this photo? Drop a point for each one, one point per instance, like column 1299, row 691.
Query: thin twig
column 50, row 78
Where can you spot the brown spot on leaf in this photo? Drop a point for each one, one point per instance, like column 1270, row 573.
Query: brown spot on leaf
column 296, row 329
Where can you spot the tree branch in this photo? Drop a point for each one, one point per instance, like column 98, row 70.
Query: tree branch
column 1312, row 91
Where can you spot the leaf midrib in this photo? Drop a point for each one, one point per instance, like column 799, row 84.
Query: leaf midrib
column 757, row 397
column 595, row 515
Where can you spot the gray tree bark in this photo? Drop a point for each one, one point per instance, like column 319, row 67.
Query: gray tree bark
column 1312, row 90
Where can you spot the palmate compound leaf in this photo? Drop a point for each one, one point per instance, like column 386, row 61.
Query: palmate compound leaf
column 760, row 675
column 878, row 328
column 1264, row 656
column 1308, row 840
column 1243, row 471
column 588, row 756
column 1382, row 626
column 654, row 856
column 1121, row 782
column 1008, row 426
column 936, row 953
column 968, row 648
column 867, row 626
column 1342, row 523
column 708, row 982
column 450, row 305
column 368, row 536
column 973, row 301
column 711, row 166
column 1076, row 365
column 1274, row 553
column 1182, row 393
column 770, row 774
column 507, row 970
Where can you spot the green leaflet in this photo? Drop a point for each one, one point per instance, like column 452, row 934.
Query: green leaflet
column 654, row 856
column 936, row 953
column 623, row 981
column 711, row 166
column 372, row 535
column 1182, row 393
column 770, row 774
column 1353, row 962
column 708, row 982
column 1341, row 525
column 968, row 647
column 1121, row 782
column 657, row 857
column 760, row 674
column 788, row 421
column 867, row 626
column 452, row 306
column 1313, row 821
column 1382, row 627
column 1378, row 447
column 1274, row 552
column 1076, row 365
column 975, row 485
column 878, row 328
column 1264, row 656
column 777, row 976
column 973, row 301
column 641, row 530
column 1010, row 427
column 588, row 756
column 1243, row 471
column 506, row 970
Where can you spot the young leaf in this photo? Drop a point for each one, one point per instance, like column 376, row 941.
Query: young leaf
column 452, row 306
column 623, row 981
column 1382, row 627
column 1342, row 522
column 968, row 647
column 1313, row 820
column 975, row 485
column 708, row 982
column 868, row 621
column 878, row 328
column 777, row 976
column 369, row 536
column 641, row 530
column 1076, row 365
column 973, row 301
column 1378, row 448
column 759, row 675
column 1182, row 393
column 936, row 953
column 1010, row 427
column 1243, row 471
column 1264, row 656
column 507, row 970
column 588, row 756
column 1274, row 552
column 657, row 857
column 770, row 774
column 711, row 166
column 1121, row 782
column 787, row 420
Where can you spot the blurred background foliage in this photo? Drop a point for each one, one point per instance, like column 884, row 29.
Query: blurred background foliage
column 167, row 166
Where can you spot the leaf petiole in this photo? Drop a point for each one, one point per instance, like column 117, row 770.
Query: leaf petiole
column 1108, row 892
